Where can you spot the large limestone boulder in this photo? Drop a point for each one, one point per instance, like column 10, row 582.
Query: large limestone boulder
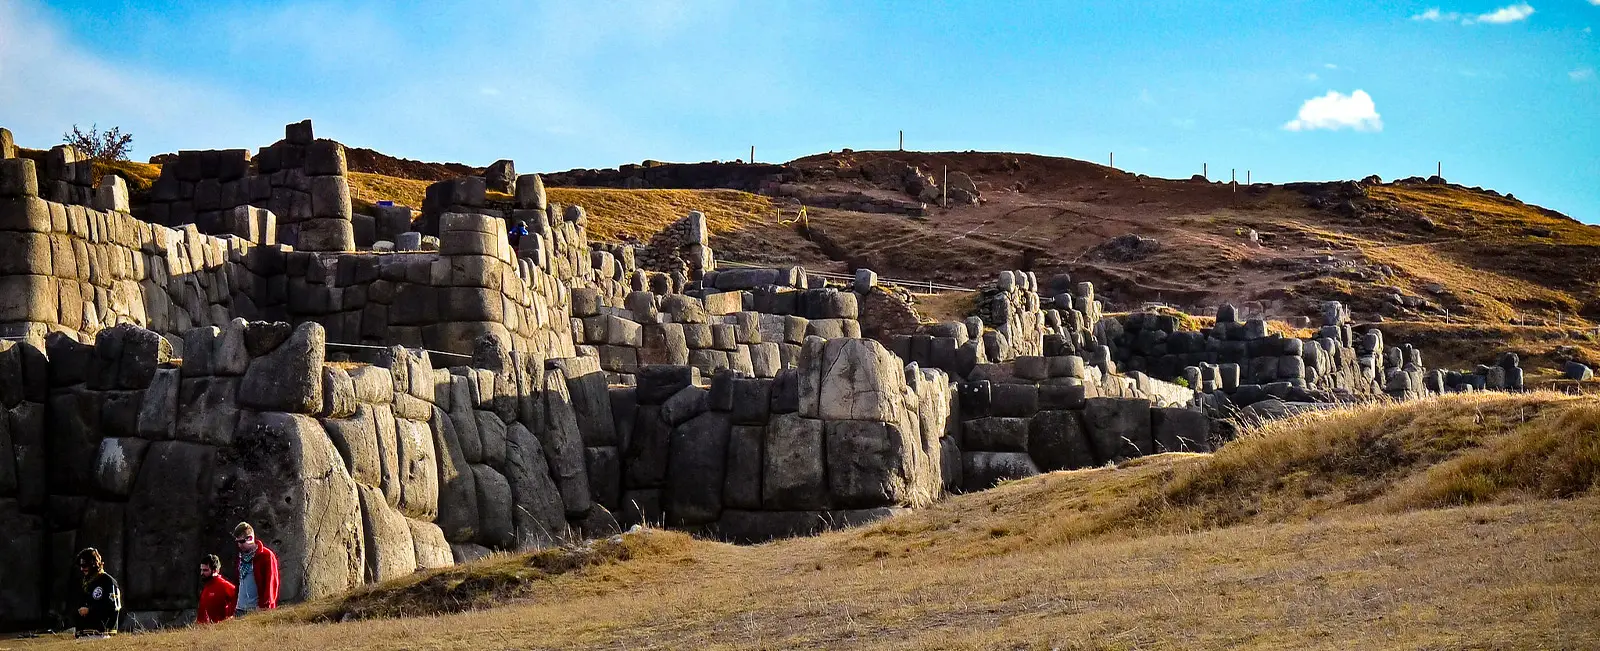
column 563, row 445
column 390, row 552
column 418, row 470
column 793, row 475
column 167, row 520
column 982, row 470
column 116, row 466
column 851, row 379
column 495, row 507
column 431, row 547
column 458, row 490
column 1056, row 441
column 290, row 482
column 869, row 464
column 591, row 400
column 208, row 410
column 289, row 378
column 1119, row 428
column 540, row 515
column 356, row 438
column 22, row 545
column 1177, row 429
column 696, row 467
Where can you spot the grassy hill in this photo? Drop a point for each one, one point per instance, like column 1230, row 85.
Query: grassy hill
column 1471, row 521
column 1463, row 272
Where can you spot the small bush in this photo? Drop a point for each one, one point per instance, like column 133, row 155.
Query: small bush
column 110, row 145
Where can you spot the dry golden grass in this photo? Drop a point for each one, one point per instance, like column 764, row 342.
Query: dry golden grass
column 366, row 190
column 642, row 213
column 1492, row 297
column 612, row 212
column 1317, row 532
column 140, row 176
column 946, row 306
column 1483, row 215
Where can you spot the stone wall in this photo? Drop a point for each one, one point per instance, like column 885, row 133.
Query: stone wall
column 74, row 269
column 681, row 250
column 848, row 436
column 1250, row 364
column 301, row 180
column 1012, row 321
column 352, row 473
column 1039, row 414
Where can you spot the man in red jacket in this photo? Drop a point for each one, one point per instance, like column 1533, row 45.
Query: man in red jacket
column 218, row 597
column 258, row 572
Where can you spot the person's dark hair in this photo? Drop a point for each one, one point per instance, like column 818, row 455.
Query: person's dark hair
column 211, row 561
column 90, row 557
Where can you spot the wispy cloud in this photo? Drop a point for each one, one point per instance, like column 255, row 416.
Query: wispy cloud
column 1434, row 15
column 66, row 84
column 1507, row 14
column 1330, row 66
column 1336, row 111
column 1582, row 74
column 1312, row 77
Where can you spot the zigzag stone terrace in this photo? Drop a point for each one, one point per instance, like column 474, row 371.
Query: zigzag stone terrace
column 379, row 393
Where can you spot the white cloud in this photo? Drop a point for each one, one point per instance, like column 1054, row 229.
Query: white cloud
column 1507, row 14
column 1312, row 77
column 1330, row 66
column 1595, row 2
column 1336, row 111
column 1434, row 15
column 61, row 84
column 1582, row 74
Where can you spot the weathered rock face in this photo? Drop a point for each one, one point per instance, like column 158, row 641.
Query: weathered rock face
column 540, row 516
column 22, row 544
column 290, row 482
column 1119, row 428
column 166, row 517
column 563, row 446
column 389, row 550
column 289, row 378
column 697, row 469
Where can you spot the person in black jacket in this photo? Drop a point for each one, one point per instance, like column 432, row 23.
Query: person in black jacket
column 101, row 603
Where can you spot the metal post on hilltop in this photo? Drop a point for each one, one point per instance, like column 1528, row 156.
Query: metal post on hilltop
column 752, row 154
column 1205, row 171
column 902, row 140
column 1113, row 164
column 1438, row 169
column 1247, row 178
column 1233, row 179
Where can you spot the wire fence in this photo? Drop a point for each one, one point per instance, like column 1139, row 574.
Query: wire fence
column 911, row 285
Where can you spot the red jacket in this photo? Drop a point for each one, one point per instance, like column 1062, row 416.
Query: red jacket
column 266, row 569
column 218, row 597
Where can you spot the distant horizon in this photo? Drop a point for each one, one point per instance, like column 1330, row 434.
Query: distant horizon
column 1241, row 181
column 1502, row 92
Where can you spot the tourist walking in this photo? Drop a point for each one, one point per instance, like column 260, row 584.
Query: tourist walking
column 258, row 572
column 218, row 597
column 100, row 605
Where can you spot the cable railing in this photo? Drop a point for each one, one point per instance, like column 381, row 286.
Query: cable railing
column 910, row 284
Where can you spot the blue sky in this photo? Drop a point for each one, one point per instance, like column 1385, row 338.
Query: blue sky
column 1504, row 93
